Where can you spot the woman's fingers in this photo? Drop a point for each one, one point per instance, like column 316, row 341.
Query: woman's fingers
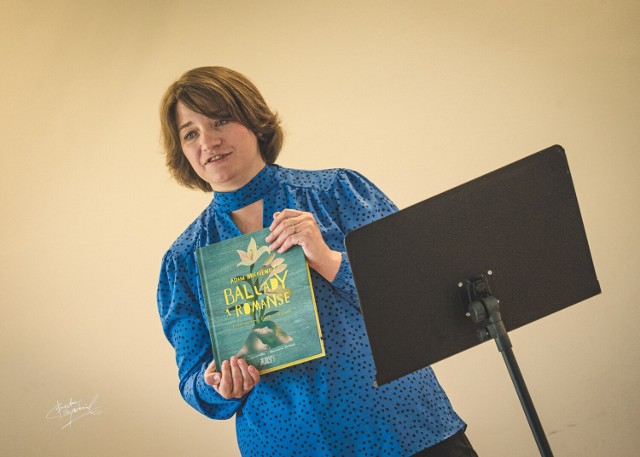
column 281, row 216
column 291, row 227
column 236, row 378
column 211, row 376
column 225, row 388
column 247, row 379
column 285, row 224
column 255, row 374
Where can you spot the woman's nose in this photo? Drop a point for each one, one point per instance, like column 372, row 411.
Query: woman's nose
column 209, row 140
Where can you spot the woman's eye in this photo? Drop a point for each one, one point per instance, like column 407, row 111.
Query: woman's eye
column 220, row 122
column 190, row 135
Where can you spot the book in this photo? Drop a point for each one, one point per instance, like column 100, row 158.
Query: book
column 260, row 304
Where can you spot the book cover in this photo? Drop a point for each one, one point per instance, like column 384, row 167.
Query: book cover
column 260, row 304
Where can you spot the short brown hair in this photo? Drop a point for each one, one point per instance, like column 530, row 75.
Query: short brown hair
column 220, row 93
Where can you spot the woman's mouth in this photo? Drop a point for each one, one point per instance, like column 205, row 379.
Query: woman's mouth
column 216, row 157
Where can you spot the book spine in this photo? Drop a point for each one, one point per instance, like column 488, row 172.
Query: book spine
column 315, row 306
column 207, row 302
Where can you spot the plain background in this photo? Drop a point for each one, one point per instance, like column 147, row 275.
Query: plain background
column 419, row 96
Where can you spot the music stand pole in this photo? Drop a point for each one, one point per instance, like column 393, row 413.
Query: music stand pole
column 484, row 310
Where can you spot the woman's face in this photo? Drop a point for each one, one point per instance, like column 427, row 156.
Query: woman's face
column 224, row 153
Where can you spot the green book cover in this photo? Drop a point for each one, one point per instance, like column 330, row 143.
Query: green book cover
column 260, row 304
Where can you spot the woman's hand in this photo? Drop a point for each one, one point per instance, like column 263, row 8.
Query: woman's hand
column 235, row 379
column 291, row 227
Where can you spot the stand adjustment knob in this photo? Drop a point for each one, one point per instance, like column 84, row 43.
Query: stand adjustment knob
column 477, row 313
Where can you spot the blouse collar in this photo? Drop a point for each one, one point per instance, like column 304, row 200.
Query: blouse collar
column 251, row 192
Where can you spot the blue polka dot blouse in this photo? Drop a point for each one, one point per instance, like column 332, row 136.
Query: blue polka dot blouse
column 326, row 407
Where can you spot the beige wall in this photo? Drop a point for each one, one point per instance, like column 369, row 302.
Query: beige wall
column 418, row 95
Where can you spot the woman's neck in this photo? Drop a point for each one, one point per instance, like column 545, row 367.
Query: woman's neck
column 249, row 218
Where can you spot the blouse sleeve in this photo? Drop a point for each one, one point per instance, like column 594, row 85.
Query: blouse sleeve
column 187, row 332
column 358, row 202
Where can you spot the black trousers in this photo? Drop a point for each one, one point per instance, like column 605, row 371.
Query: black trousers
column 456, row 446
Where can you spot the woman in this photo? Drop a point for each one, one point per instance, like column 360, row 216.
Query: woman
column 219, row 135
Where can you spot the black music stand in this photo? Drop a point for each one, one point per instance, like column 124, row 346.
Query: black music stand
column 430, row 274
